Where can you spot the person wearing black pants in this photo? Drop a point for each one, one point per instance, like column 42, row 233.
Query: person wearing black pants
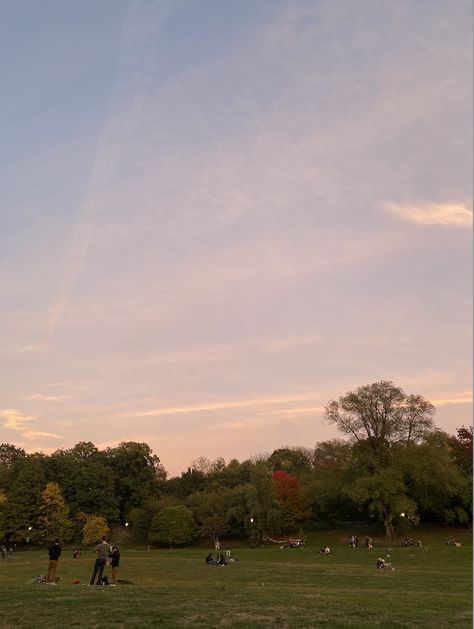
column 102, row 551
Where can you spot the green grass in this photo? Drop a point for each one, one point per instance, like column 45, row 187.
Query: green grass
column 269, row 587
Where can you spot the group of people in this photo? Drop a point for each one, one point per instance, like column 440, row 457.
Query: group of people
column 220, row 561
column 103, row 551
column 408, row 541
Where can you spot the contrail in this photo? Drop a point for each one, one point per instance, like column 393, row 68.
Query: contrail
column 135, row 68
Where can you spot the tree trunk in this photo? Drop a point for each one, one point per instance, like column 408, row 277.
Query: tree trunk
column 389, row 530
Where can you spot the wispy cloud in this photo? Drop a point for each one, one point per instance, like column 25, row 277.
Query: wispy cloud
column 42, row 397
column 460, row 398
column 217, row 406
column 15, row 420
column 453, row 214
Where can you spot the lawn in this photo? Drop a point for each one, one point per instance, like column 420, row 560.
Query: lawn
column 431, row 586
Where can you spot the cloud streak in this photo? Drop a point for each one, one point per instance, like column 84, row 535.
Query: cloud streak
column 15, row 420
column 449, row 214
column 217, row 406
column 42, row 397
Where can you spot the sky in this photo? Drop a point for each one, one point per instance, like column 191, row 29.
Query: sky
column 218, row 216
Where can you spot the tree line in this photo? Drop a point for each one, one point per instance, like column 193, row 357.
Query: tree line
column 395, row 470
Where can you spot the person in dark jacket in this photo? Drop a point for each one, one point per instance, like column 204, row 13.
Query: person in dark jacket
column 54, row 553
column 114, row 562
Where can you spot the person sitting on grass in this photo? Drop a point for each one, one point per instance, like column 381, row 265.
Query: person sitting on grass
column 221, row 560
column 382, row 564
column 325, row 550
column 210, row 559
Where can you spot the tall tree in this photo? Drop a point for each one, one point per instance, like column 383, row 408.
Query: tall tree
column 382, row 415
column 87, row 482
column 8, row 455
column 54, row 515
column 138, row 474
column 20, row 512
column 287, row 491
column 210, row 509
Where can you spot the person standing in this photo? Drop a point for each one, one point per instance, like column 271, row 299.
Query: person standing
column 54, row 553
column 114, row 562
column 102, row 550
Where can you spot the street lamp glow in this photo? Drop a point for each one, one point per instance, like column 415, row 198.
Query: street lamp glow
column 402, row 514
column 251, row 520
column 29, row 528
column 126, row 523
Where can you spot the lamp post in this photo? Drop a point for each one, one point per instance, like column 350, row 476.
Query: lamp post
column 252, row 533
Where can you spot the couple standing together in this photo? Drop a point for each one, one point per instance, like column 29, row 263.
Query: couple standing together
column 104, row 551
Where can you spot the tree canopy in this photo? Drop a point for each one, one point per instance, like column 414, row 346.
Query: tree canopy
column 396, row 469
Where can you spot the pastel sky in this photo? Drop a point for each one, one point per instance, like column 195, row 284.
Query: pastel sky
column 218, row 215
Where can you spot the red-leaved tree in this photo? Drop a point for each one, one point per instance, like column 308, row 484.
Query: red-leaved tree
column 287, row 492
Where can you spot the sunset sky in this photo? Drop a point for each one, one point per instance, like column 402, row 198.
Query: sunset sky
column 218, row 215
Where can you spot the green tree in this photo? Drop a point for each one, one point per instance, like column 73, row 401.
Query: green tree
column 384, row 424
column 141, row 517
column 187, row 483
column 173, row 526
column 87, row 482
column 440, row 486
column 265, row 511
column 19, row 514
column 382, row 415
column 384, row 494
column 210, row 509
column 461, row 445
column 295, row 461
column 138, row 474
column 8, row 455
column 326, row 490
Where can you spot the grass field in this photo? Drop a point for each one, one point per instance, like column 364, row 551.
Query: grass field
column 431, row 586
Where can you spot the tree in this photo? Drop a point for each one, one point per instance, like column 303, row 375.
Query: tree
column 461, row 445
column 210, row 508
column 266, row 512
column 291, row 460
column 383, row 494
column 19, row 514
column 287, row 492
column 382, row 415
column 327, row 489
column 187, row 484
column 173, row 526
column 138, row 474
column 94, row 528
column 8, row 455
column 54, row 521
column 85, row 451
column 141, row 517
column 87, row 482
column 436, row 481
